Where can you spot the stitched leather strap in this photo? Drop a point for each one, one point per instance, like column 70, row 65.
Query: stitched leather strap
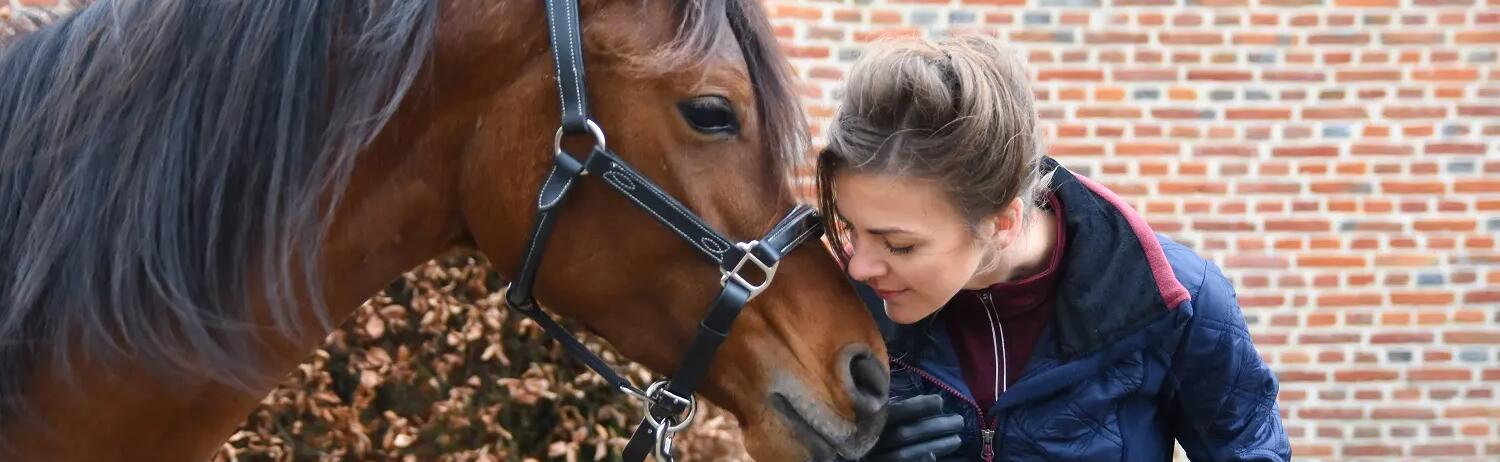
column 567, row 55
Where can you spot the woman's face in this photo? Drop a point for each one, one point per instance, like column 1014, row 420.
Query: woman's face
column 909, row 242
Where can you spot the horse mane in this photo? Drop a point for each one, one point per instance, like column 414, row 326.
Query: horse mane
column 160, row 161
column 164, row 164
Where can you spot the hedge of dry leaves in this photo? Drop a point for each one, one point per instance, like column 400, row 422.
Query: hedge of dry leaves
column 436, row 368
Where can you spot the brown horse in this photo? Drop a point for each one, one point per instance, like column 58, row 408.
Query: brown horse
column 193, row 192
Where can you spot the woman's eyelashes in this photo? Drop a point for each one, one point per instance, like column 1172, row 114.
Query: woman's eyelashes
column 899, row 250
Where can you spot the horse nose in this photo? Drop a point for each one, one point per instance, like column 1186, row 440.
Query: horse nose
column 868, row 380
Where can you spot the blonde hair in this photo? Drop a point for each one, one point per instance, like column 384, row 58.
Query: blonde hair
column 959, row 111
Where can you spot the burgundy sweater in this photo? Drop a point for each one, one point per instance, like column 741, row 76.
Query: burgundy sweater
column 1007, row 318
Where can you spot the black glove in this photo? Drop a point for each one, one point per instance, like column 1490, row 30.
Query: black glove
column 916, row 429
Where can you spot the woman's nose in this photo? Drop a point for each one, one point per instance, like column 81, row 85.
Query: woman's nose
column 863, row 267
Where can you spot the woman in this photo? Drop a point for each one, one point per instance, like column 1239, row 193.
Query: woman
column 1037, row 317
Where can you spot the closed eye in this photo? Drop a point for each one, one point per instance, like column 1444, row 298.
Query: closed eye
column 900, row 250
column 710, row 115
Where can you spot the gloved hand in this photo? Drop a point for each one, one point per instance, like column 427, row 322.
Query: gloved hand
column 916, row 429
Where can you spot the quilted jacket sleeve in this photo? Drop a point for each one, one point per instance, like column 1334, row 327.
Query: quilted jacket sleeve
column 1224, row 407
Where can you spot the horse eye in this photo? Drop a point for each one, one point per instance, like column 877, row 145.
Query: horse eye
column 710, row 115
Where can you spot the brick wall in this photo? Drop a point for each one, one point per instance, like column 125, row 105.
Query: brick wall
column 1340, row 159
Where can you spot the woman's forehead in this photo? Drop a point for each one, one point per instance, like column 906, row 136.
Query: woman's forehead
column 887, row 204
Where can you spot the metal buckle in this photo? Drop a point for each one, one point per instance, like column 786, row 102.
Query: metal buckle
column 734, row 274
column 594, row 130
column 666, row 427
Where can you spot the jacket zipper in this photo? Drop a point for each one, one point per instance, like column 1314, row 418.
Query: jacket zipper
column 986, row 432
column 1002, row 376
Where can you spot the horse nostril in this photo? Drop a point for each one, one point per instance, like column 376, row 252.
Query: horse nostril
column 869, row 382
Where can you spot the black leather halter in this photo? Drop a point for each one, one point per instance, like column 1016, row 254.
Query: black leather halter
column 671, row 404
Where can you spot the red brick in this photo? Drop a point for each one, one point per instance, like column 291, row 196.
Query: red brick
column 1322, row 320
column 1218, row 75
column 1298, row 225
column 1258, row 113
column 1384, row 338
column 1455, row 148
column 1330, row 413
column 1466, row 412
column 847, row 16
column 1257, row 38
column 1101, row 38
column 1476, row 297
column 1411, row 38
column 1353, row 38
column 1294, row 76
column 1485, row 37
column 1365, row 450
column 812, row 51
column 879, row 17
column 1445, row 74
column 1413, row 112
column 1331, row 339
column 1422, row 298
column 1109, row 112
column 1333, row 300
column 1190, row 38
column 1305, row 151
column 1320, row 113
column 1144, row 75
column 1226, row 151
column 1478, row 111
column 1463, row 224
column 1299, row 448
column 786, row 11
column 1380, row 150
column 1142, row 149
column 1439, row 375
column 1445, row 449
column 1367, row 76
column 1365, row 375
column 1408, row 187
column 1472, row 337
column 1070, row 74
column 1335, row 187
column 1267, row 187
column 1191, row 187
column 885, row 33
column 1405, row 260
column 1066, row 149
column 1402, row 413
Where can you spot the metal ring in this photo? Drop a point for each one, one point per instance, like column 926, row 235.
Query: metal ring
column 593, row 129
column 688, row 420
column 675, row 427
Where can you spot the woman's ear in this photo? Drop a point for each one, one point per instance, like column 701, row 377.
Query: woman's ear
column 1006, row 224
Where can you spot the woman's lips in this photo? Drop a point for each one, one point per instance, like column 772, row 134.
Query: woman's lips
column 889, row 294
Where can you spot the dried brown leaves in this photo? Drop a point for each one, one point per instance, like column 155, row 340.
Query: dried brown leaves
column 436, row 368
